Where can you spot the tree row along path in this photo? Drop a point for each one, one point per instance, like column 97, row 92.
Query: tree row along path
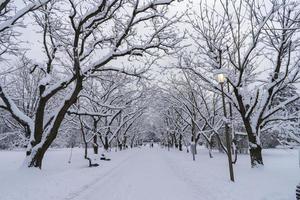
column 146, row 175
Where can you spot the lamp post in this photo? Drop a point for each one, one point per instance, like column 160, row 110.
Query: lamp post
column 221, row 79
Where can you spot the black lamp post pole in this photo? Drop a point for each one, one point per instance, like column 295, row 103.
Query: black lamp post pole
column 228, row 142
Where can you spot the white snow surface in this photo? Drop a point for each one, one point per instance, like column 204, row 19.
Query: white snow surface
column 149, row 174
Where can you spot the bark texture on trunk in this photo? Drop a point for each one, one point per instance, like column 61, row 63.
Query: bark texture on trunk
column 106, row 145
column 95, row 144
column 256, row 156
column 255, row 148
column 35, row 160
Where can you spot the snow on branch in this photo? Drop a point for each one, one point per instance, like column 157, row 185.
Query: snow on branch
column 130, row 116
column 20, row 13
column 92, row 114
column 17, row 114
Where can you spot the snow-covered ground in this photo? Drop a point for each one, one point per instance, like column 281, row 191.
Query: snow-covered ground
column 149, row 174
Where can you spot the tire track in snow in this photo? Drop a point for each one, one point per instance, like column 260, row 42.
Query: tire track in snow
column 89, row 186
column 181, row 174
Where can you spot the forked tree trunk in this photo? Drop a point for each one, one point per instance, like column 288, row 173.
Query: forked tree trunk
column 35, row 155
column 39, row 146
column 86, row 150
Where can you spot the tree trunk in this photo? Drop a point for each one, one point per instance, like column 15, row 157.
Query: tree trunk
column 255, row 148
column 106, row 145
column 256, row 156
column 180, row 142
column 95, row 144
column 37, row 159
column 194, row 139
column 86, row 152
column 124, row 142
column 196, row 142
column 175, row 141
column 132, row 142
column 35, row 155
column 210, row 149
column 38, row 148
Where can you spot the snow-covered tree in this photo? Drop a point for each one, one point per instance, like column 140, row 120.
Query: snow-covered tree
column 256, row 46
column 77, row 47
column 10, row 18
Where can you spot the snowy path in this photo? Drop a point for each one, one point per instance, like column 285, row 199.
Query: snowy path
column 149, row 174
column 145, row 175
